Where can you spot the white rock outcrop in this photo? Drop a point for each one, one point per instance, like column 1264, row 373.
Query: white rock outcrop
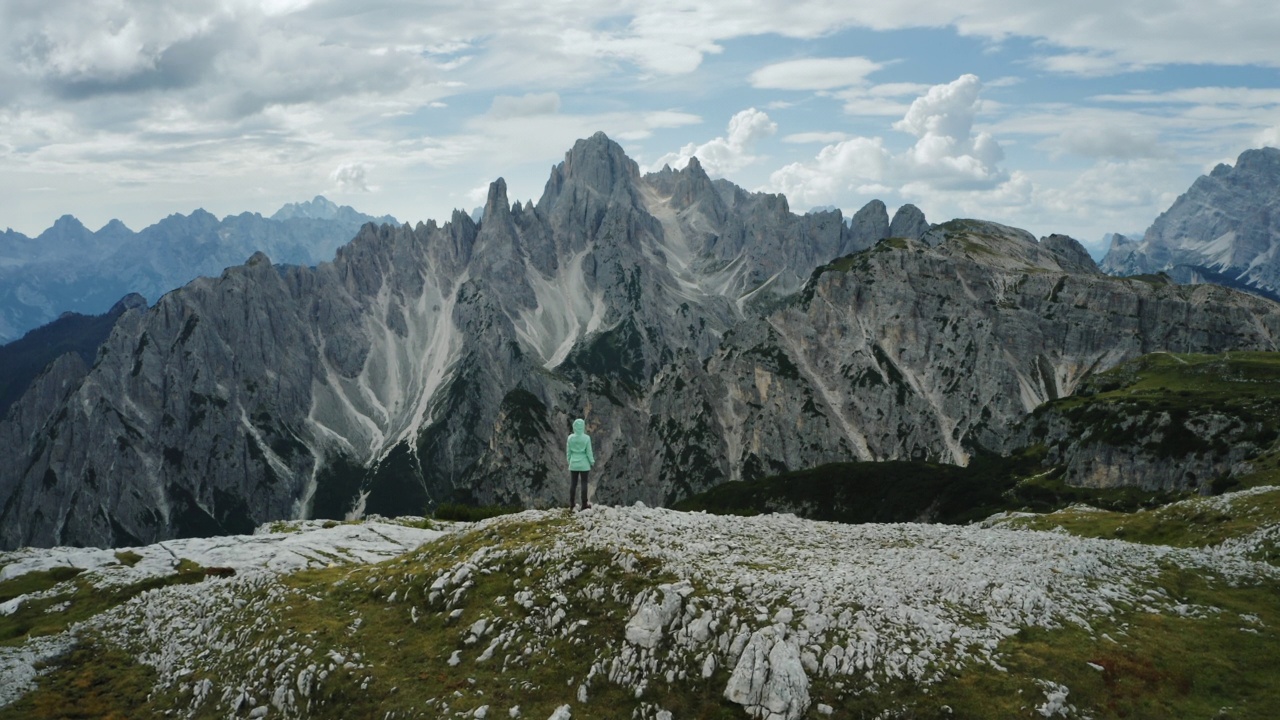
column 769, row 680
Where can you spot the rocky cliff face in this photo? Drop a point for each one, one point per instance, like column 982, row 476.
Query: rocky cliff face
column 1225, row 229
column 682, row 317
column 426, row 363
column 1165, row 422
column 916, row 352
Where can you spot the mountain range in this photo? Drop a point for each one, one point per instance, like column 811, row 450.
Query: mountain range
column 1225, row 229
column 706, row 333
column 69, row 268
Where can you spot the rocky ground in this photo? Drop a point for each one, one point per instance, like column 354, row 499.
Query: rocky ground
column 651, row 613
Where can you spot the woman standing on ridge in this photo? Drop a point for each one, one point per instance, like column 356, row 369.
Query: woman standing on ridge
column 577, row 450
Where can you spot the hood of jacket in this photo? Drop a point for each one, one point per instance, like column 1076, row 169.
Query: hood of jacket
column 579, row 427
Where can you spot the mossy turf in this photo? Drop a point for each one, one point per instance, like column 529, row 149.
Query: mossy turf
column 65, row 599
column 1198, row 522
column 90, row 682
column 1218, row 661
column 1140, row 665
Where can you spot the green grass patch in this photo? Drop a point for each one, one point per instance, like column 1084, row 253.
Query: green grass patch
column 90, row 682
column 1136, row 665
column 55, row 612
column 1166, row 402
column 128, row 558
column 36, row 581
column 409, row 662
column 1047, row 492
column 1198, row 522
column 1246, row 383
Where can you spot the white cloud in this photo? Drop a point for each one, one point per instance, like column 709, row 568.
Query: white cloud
column 814, row 73
column 1108, row 141
column 506, row 106
column 947, row 155
column 837, row 171
column 1114, row 185
column 730, row 152
column 351, row 178
column 886, row 99
column 944, row 111
column 1087, row 64
column 198, row 97
column 816, row 137
column 1004, row 82
column 1235, row 96
column 863, row 106
column 1201, row 123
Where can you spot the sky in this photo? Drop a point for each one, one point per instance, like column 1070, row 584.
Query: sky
column 1080, row 118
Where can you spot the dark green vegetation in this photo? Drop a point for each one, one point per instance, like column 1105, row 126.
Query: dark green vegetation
column 1154, row 666
column 910, row 491
column 1245, row 382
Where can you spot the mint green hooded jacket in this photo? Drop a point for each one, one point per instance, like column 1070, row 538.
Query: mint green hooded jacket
column 578, row 448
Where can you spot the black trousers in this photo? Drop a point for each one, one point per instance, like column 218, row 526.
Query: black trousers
column 576, row 476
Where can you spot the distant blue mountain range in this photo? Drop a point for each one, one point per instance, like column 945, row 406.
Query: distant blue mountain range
column 69, row 268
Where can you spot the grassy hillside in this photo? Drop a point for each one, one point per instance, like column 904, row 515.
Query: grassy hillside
column 543, row 610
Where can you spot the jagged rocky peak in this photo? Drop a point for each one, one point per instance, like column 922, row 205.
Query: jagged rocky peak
column 67, row 233
column 132, row 301
column 691, row 186
column 318, row 207
column 68, row 223
column 1123, row 256
column 1225, row 229
column 872, row 221
column 1264, row 162
column 114, row 227
column 258, row 258
column 908, row 222
column 441, row 362
column 322, row 208
column 597, row 163
column 1072, row 256
column 496, row 206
